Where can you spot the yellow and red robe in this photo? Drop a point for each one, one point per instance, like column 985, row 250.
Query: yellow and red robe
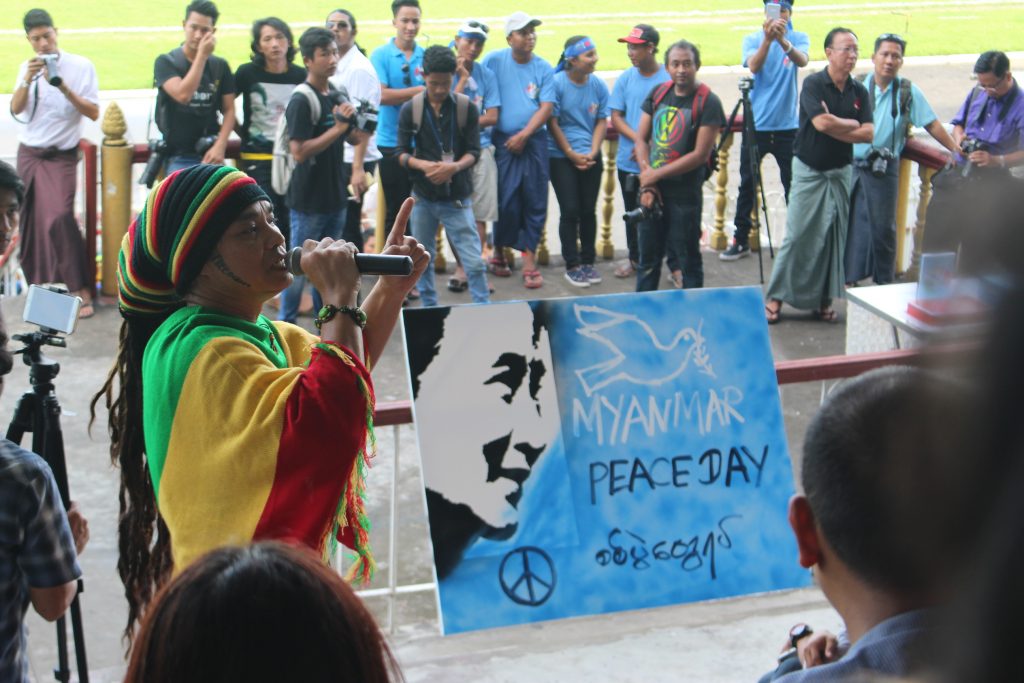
column 255, row 430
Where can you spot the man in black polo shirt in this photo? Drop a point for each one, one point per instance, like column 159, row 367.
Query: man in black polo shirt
column 439, row 150
column 835, row 112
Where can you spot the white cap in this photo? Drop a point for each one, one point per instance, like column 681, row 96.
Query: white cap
column 518, row 21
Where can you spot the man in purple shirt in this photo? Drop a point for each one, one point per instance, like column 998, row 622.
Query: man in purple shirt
column 989, row 130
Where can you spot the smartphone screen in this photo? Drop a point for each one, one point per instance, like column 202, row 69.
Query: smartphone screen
column 52, row 310
column 773, row 11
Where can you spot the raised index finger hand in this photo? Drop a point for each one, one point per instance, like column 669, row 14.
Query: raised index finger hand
column 397, row 235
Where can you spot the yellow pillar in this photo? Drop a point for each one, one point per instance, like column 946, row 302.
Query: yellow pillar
column 924, row 196
column 543, row 257
column 605, row 247
column 440, row 262
column 902, row 199
column 116, row 209
column 754, row 239
column 719, row 240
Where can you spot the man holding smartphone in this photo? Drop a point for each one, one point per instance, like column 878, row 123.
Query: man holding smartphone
column 773, row 55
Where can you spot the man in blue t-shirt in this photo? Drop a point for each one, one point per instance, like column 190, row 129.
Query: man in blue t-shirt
column 477, row 82
column 630, row 91
column 773, row 55
column 521, row 145
column 399, row 64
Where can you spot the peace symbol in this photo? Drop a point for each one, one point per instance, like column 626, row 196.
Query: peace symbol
column 527, row 576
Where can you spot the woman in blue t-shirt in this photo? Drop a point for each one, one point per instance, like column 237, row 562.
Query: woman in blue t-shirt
column 577, row 131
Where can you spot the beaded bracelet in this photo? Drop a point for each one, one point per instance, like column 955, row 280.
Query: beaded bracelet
column 330, row 310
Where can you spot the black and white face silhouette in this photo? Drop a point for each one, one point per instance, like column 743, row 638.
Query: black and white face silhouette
column 486, row 411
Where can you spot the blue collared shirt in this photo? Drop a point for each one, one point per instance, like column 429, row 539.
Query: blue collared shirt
column 982, row 122
column 774, row 97
column 630, row 90
column 920, row 114
column 578, row 108
column 394, row 71
column 482, row 90
column 524, row 87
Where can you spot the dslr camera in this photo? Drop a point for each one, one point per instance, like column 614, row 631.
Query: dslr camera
column 878, row 158
column 50, row 64
column 204, row 144
column 970, row 145
column 631, row 183
column 157, row 157
column 365, row 117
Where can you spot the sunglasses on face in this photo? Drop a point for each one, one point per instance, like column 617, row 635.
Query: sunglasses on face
column 406, row 78
column 337, row 24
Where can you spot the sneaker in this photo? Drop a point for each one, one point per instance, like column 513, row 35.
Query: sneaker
column 735, row 252
column 590, row 272
column 576, row 277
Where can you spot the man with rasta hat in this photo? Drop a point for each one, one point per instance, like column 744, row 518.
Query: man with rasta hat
column 249, row 429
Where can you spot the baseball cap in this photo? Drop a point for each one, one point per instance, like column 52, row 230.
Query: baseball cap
column 473, row 29
column 641, row 34
column 518, row 21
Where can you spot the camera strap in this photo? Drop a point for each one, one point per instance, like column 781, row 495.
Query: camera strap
column 35, row 105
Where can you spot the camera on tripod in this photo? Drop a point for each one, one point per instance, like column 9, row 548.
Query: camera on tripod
column 52, row 75
column 365, row 116
column 878, row 158
column 157, row 156
column 745, row 84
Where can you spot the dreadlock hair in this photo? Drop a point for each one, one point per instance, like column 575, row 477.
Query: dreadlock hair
column 163, row 251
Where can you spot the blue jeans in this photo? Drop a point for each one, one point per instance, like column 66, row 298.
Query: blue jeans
column 308, row 226
column 180, row 161
column 460, row 226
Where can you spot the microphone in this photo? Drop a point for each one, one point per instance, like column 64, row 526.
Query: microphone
column 368, row 264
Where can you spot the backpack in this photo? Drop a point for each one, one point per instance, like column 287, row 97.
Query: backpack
column 461, row 110
column 283, row 163
column 699, row 98
column 165, row 102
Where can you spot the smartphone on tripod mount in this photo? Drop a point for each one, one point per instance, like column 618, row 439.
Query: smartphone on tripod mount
column 52, row 309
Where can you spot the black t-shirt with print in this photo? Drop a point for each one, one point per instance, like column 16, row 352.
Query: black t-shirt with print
column 819, row 150
column 318, row 184
column 183, row 124
column 673, row 133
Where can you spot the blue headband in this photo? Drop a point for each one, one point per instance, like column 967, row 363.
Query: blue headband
column 476, row 35
column 575, row 50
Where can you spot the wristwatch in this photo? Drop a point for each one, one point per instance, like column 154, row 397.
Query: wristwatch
column 797, row 632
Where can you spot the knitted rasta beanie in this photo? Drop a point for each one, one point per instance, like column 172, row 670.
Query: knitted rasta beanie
column 172, row 238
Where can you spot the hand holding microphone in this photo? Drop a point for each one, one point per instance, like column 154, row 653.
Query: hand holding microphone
column 368, row 264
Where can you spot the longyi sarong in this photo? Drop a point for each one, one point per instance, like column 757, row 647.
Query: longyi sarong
column 52, row 246
column 522, row 192
column 808, row 270
column 871, row 234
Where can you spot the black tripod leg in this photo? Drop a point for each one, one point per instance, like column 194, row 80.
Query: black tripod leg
column 21, row 422
column 79, row 635
column 62, row 672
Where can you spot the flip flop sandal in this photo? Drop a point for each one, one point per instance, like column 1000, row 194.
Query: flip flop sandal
column 532, row 279
column 86, row 311
column 772, row 315
column 627, row 269
column 457, row 285
column 499, row 267
column 826, row 315
column 413, row 294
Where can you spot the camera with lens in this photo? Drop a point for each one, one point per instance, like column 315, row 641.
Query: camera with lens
column 746, row 84
column 970, row 145
column 878, row 158
column 52, row 75
column 204, row 144
column 365, row 116
column 157, row 157
column 631, row 185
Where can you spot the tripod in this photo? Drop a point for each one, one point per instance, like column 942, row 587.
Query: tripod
column 38, row 411
column 754, row 155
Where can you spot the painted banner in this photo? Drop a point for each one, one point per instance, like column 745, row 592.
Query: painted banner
column 596, row 454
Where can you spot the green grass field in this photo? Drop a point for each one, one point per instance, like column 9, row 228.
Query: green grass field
column 124, row 58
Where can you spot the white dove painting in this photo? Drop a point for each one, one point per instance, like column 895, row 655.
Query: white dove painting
column 595, row 454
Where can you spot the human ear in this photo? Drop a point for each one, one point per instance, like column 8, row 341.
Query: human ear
column 805, row 529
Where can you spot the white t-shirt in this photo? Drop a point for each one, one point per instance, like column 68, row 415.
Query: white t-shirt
column 356, row 74
column 56, row 122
